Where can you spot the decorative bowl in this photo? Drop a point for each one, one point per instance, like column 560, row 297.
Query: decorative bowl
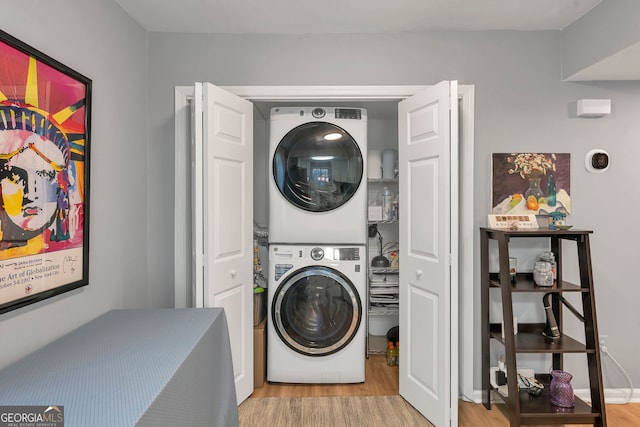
column 563, row 226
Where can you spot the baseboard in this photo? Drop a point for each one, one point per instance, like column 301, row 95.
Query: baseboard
column 476, row 397
column 612, row 396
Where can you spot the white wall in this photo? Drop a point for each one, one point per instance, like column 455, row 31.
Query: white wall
column 97, row 39
column 521, row 105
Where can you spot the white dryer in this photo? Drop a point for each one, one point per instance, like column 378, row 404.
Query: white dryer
column 316, row 314
column 317, row 188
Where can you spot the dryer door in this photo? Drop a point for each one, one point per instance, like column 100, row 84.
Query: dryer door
column 316, row 311
column 318, row 166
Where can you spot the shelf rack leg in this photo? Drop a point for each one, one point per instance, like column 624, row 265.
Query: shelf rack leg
column 591, row 330
column 509, row 334
column 484, row 304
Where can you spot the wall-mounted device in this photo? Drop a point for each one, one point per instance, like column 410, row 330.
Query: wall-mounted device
column 591, row 108
column 597, row 161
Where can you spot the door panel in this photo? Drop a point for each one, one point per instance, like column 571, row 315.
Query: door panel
column 228, row 124
column 423, row 340
column 423, row 214
column 226, row 185
column 228, row 192
column 424, row 123
column 427, row 364
column 230, row 300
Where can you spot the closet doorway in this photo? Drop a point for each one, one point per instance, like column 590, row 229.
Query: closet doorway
column 464, row 294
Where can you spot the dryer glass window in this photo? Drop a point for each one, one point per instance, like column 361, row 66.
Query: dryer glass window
column 317, row 311
column 318, row 166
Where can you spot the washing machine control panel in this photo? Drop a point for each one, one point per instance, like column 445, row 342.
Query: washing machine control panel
column 318, row 113
column 347, row 254
column 287, row 258
column 281, row 269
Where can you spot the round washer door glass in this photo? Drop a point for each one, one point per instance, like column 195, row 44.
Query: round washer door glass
column 318, row 166
column 316, row 311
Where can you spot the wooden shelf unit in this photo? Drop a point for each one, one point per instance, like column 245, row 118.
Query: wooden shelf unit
column 527, row 409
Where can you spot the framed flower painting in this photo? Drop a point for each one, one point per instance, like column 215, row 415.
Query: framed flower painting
column 531, row 183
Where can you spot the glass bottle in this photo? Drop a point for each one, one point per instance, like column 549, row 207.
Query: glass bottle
column 551, row 191
column 513, row 269
column 387, row 204
column 390, row 354
column 396, row 208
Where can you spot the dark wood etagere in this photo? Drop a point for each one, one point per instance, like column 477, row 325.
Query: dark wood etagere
column 524, row 409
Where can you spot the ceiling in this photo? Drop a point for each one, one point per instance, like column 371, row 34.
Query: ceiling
column 352, row 16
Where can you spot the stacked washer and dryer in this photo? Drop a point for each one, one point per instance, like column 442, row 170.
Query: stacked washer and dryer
column 317, row 245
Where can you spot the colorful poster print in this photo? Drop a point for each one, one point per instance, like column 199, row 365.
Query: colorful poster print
column 531, row 183
column 44, row 130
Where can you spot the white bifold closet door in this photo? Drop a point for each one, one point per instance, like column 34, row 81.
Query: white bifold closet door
column 428, row 159
column 222, row 164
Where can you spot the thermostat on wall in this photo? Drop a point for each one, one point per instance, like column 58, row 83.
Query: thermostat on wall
column 597, row 161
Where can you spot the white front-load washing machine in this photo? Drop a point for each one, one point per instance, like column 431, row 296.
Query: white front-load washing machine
column 316, row 314
column 317, row 183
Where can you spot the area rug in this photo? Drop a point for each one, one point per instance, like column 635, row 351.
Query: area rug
column 366, row 411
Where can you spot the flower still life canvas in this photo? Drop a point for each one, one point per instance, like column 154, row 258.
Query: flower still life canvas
column 531, row 183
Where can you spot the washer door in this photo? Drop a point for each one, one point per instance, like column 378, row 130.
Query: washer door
column 316, row 311
column 317, row 166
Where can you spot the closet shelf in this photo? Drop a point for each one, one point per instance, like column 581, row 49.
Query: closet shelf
column 381, row 270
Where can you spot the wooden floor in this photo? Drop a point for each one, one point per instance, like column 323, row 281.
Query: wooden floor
column 382, row 380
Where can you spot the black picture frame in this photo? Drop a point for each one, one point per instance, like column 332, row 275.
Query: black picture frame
column 45, row 122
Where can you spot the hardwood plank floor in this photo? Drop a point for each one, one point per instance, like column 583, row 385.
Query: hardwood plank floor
column 382, row 380
column 473, row 414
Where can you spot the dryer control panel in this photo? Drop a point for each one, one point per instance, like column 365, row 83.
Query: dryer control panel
column 348, row 113
column 326, row 113
column 347, row 254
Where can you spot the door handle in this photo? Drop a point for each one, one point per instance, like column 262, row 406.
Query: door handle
column 233, row 273
column 418, row 272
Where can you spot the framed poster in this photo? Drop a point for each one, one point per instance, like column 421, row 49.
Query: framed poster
column 44, row 176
